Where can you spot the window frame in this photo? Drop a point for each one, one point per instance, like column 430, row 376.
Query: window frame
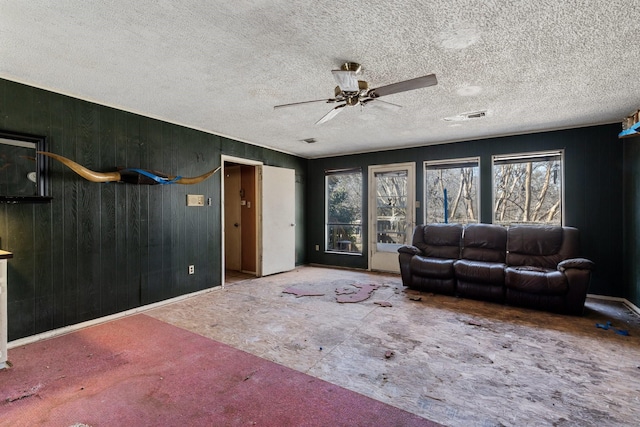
column 523, row 156
column 455, row 163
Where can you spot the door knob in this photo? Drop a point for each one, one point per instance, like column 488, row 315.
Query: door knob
column 236, row 225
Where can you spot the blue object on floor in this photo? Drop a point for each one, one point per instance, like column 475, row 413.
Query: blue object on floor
column 608, row 326
column 605, row 327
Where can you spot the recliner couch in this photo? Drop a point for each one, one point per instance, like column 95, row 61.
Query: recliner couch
column 522, row 265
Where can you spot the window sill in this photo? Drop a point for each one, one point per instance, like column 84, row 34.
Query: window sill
column 344, row 253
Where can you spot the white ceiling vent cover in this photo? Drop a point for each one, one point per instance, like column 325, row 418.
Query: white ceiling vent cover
column 469, row 115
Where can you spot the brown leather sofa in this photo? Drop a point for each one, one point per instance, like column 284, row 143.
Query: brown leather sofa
column 522, row 265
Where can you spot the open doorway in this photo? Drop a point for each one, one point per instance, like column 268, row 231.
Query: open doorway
column 240, row 221
column 258, row 219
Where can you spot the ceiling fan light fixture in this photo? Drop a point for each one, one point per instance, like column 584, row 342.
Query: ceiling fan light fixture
column 347, row 80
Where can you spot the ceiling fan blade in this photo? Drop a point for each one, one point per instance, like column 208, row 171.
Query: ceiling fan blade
column 331, row 114
column 381, row 104
column 417, row 83
column 347, row 80
column 293, row 104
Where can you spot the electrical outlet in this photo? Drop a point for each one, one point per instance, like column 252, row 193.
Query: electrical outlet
column 192, row 269
column 317, row 247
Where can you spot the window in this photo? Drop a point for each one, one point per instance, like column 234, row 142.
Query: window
column 344, row 210
column 451, row 191
column 527, row 188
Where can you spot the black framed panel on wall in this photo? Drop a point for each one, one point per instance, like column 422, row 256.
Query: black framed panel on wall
column 23, row 172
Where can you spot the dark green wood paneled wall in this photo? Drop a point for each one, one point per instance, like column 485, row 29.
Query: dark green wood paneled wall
column 632, row 218
column 98, row 249
column 593, row 191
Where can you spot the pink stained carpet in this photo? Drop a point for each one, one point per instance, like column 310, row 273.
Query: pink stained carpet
column 139, row 371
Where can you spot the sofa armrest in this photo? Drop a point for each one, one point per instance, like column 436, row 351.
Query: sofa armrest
column 579, row 263
column 405, row 255
column 408, row 249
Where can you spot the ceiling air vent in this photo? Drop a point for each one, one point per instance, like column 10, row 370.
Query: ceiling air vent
column 476, row 114
column 309, row 140
column 469, row 115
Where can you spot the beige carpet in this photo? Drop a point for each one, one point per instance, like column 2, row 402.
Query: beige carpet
column 454, row 361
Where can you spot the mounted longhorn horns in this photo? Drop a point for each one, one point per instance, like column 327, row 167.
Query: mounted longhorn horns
column 132, row 175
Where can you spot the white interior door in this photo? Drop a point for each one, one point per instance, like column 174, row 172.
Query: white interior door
column 278, row 213
column 391, row 213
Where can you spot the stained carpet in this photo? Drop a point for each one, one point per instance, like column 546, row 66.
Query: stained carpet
column 139, row 371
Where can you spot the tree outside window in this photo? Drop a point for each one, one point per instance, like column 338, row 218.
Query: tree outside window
column 344, row 210
column 451, row 191
column 391, row 207
column 527, row 188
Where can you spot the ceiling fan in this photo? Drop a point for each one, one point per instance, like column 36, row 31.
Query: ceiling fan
column 351, row 91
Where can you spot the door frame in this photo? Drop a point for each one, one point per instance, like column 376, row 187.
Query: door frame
column 372, row 197
column 225, row 158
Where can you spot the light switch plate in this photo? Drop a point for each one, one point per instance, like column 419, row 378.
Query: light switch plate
column 195, row 200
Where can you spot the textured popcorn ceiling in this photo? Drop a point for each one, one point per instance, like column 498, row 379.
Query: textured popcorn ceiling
column 221, row 66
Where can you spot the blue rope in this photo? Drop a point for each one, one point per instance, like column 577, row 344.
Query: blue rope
column 156, row 178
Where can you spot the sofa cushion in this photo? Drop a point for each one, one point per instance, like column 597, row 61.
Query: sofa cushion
column 439, row 240
column 535, row 245
column 484, row 242
column 479, row 271
column 536, row 280
column 534, row 240
column 432, row 267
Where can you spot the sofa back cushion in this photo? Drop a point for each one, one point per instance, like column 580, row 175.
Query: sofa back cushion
column 541, row 246
column 484, row 242
column 438, row 240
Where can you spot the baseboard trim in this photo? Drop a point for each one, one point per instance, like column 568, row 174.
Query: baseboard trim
column 624, row 301
column 71, row 328
column 88, row 323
